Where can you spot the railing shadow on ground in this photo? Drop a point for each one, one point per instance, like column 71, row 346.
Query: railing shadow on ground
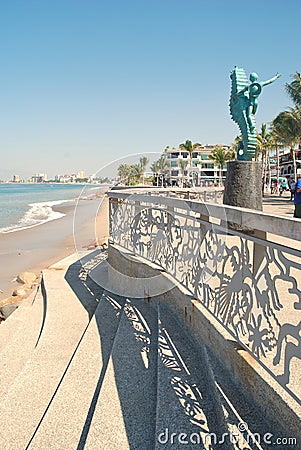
column 146, row 337
column 115, row 313
column 125, row 324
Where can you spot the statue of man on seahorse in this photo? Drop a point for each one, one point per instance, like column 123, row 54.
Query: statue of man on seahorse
column 243, row 107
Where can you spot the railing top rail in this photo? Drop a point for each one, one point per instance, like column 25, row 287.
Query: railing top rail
column 167, row 190
column 245, row 218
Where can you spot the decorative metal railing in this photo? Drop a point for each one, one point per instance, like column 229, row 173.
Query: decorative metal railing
column 248, row 277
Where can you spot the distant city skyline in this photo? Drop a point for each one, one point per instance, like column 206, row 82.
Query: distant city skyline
column 39, row 177
column 86, row 83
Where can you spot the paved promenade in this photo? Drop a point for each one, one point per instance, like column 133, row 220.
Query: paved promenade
column 274, row 204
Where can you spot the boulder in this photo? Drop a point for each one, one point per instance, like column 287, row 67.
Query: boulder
column 10, row 300
column 7, row 310
column 22, row 291
column 26, row 277
column 37, row 280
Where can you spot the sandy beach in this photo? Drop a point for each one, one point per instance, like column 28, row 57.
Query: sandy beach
column 36, row 248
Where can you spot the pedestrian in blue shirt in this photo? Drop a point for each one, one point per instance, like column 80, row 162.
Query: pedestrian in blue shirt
column 297, row 198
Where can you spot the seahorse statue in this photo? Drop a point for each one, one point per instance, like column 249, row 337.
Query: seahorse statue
column 243, row 107
column 238, row 109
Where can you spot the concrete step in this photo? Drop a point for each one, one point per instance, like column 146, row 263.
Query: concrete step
column 64, row 323
column 246, row 426
column 66, row 420
column 186, row 413
column 17, row 321
column 19, row 335
column 124, row 415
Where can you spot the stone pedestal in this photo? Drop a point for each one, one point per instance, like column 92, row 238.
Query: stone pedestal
column 244, row 185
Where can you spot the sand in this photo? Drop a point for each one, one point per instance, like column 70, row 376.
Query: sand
column 37, row 248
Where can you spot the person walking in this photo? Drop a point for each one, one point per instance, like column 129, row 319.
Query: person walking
column 292, row 188
column 280, row 189
column 297, row 198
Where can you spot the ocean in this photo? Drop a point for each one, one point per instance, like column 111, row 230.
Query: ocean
column 27, row 205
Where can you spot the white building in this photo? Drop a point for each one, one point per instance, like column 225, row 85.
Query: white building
column 80, row 174
column 199, row 170
column 39, row 178
column 286, row 162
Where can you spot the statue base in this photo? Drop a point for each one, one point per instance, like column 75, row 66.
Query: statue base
column 243, row 186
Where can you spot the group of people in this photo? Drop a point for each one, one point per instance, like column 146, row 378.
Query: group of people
column 295, row 190
column 277, row 187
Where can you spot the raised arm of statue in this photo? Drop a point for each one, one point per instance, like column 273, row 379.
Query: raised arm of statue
column 271, row 80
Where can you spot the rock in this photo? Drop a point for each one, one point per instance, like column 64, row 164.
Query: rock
column 22, row 291
column 8, row 301
column 26, row 277
column 7, row 310
column 37, row 280
column 9, row 305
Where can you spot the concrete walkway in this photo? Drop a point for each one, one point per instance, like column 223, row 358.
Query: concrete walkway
column 82, row 368
column 280, row 205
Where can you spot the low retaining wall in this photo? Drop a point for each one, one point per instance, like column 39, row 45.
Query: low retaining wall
column 280, row 409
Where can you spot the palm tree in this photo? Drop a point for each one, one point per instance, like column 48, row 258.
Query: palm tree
column 276, row 144
column 162, row 166
column 143, row 163
column 155, row 169
column 262, row 139
column 220, row 156
column 124, row 172
column 129, row 173
column 287, row 128
column 294, row 89
column 158, row 167
column 183, row 166
column 190, row 148
column 234, row 147
column 263, row 147
column 135, row 172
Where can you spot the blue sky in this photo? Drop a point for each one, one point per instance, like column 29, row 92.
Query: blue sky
column 84, row 82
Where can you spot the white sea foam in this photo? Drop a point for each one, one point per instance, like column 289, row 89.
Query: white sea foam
column 37, row 214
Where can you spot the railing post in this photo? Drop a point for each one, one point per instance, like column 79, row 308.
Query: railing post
column 113, row 202
column 258, row 250
column 203, row 227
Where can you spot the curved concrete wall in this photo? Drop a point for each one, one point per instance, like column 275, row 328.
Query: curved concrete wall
column 280, row 409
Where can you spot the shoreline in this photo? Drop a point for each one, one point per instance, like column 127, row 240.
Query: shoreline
column 36, row 248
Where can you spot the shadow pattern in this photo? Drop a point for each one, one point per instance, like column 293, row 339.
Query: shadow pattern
column 261, row 308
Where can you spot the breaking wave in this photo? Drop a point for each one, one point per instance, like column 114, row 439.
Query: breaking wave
column 37, row 214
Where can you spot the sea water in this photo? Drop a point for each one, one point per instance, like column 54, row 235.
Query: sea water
column 28, row 205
